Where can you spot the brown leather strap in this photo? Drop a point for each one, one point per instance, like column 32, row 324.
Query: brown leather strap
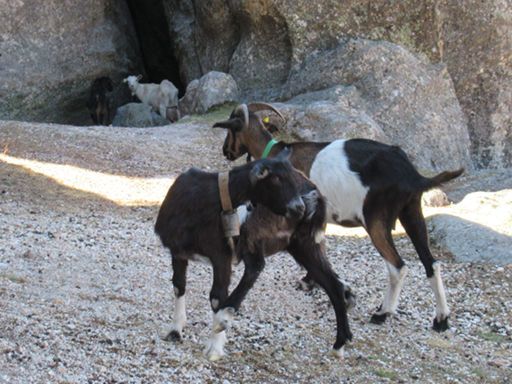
column 225, row 199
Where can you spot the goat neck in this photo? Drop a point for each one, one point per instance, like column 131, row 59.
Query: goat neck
column 239, row 185
column 258, row 140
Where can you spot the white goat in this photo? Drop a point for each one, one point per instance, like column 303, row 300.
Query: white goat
column 160, row 97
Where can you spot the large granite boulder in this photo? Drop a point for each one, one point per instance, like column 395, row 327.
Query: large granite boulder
column 214, row 88
column 478, row 229
column 138, row 115
column 388, row 94
column 51, row 52
column 476, row 41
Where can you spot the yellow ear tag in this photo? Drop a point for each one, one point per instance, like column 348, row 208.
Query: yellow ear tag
column 266, row 120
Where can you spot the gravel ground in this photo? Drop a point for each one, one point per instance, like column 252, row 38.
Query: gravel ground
column 86, row 297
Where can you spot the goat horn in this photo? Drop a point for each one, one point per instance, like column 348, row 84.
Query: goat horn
column 243, row 108
column 255, row 107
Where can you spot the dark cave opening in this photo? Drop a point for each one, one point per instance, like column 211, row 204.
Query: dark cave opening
column 155, row 42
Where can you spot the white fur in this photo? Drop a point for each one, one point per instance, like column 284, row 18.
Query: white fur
column 339, row 353
column 158, row 96
column 243, row 213
column 436, row 282
column 310, row 200
column 396, row 281
column 283, row 235
column 214, row 349
column 341, row 187
column 319, row 236
column 222, row 319
column 201, row 259
column 180, row 316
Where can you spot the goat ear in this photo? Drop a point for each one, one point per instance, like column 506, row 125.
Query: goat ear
column 234, row 123
column 284, row 154
column 258, row 172
column 125, row 80
column 139, row 77
column 271, row 128
column 269, row 125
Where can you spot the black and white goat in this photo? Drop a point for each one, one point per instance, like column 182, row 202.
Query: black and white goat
column 98, row 103
column 366, row 183
column 289, row 215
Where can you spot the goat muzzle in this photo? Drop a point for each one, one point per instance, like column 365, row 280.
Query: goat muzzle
column 295, row 209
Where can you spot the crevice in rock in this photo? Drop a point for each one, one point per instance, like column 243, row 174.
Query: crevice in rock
column 156, row 46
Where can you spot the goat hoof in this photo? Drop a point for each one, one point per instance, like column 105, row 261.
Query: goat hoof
column 305, row 285
column 173, row 336
column 220, row 326
column 440, row 326
column 215, row 355
column 214, row 349
column 338, row 353
column 378, row 318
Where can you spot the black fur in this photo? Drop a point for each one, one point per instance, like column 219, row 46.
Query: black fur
column 99, row 102
column 189, row 223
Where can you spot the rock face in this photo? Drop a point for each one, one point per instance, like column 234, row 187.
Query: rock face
column 262, row 43
column 388, row 94
column 477, row 47
column 212, row 89
column 51, row 56
column 137, row 115
column 478, row 228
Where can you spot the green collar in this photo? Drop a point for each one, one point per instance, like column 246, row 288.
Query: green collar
column 269, row 146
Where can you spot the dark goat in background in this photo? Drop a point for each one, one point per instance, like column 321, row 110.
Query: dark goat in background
column 99, row 102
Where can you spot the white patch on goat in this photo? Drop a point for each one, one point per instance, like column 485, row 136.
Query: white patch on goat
column 319, row 236
column 214, row 349
column 180, row 315
column 215, row 345
column 222, row 319
column 310, row 200
column 283, row 235
column 243, row 213
column 341, row 187
column 201, row 259
column 339, row 353
column 436, row 282
column 395, row 283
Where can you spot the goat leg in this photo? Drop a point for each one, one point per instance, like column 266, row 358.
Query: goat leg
column 179, row 267
column 311, row 255
column 254, row 264
column 214, row 349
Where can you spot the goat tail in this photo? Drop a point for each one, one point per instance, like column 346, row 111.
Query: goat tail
column 442, row 178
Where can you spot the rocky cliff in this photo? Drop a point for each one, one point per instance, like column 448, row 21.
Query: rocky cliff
column 51, row 51
column 262, row 42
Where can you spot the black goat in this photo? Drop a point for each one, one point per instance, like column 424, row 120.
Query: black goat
column 189, row 224
column 98, row 103
column 366, row 183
